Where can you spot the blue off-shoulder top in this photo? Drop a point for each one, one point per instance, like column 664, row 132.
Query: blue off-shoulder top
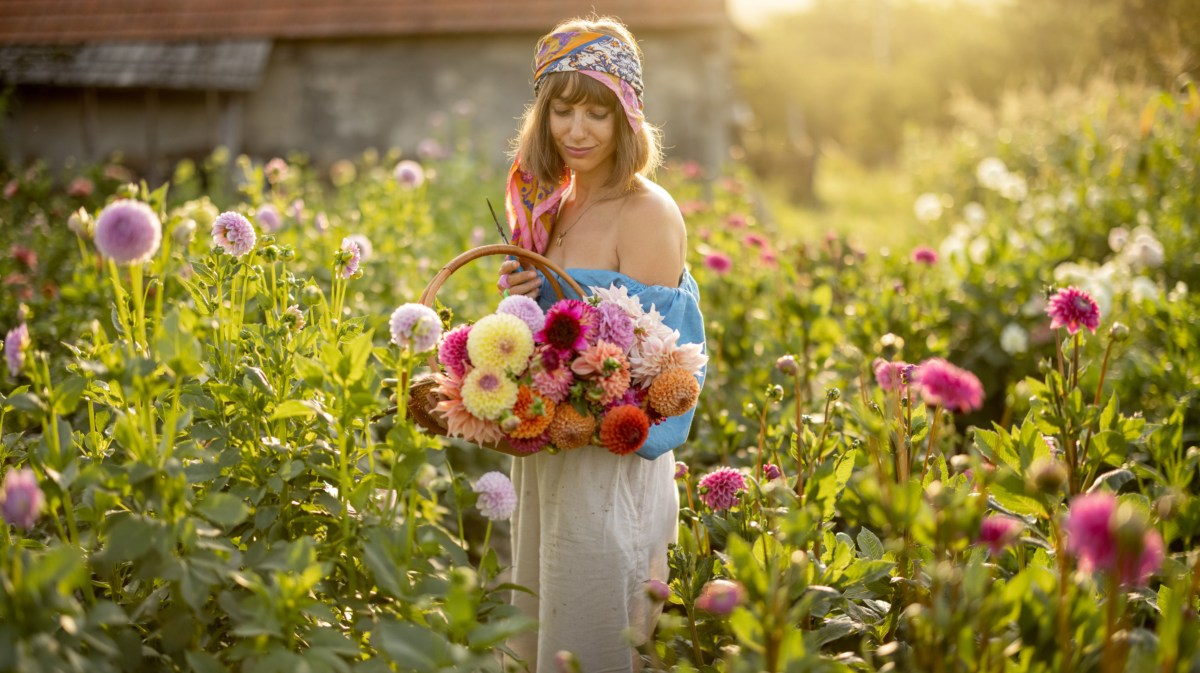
column 680, row 309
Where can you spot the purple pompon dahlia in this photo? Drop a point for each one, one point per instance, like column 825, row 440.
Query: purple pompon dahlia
column 615, row 326
column 1073, row 308
column 771, row 471
column 524, row 308
column 128, row 232
column 269, row 219
column 15, row 343
column 943, row 384
column 21, row 499
column 497, row 497
column 415, row 326
column 719, row 489
column 718, row 262
column 234, row 233
column 681, row 470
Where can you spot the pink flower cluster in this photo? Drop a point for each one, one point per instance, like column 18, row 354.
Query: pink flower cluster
column 1073, row 308
column 599, row 372
column 1103, row 542
column 939, row 382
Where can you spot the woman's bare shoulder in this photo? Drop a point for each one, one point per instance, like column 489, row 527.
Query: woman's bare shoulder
column 653, row 238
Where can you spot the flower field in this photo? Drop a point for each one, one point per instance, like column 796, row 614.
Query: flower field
column 979, row 453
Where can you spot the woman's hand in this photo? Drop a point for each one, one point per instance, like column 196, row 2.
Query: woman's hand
column 519, row 282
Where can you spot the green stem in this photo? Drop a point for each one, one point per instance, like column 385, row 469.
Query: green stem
column 932, row 436
column 696, row 652
column 1103, row 372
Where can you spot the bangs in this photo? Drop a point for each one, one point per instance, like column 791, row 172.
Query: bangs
column 574, row 88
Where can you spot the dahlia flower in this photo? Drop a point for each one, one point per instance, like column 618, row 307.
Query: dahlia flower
column 452, row 351
column 567, row 326
column 624, row 429
column 348, row 257
column 943, row 384
column 234, row 233
column 459, row 421
column 128, row 232
column 619, row 296
column 771, row 471
column 1092, row 536
column 365, row 249
column 674, row 392
column 719, row 489
column 531, row 445
column 524, row 308
column 487, row 392
column 81, row 187
column 787, row 365
column 614, row 326
column 15, row 343
column 655, row 354
column 497, row 497
column 924, row 255
column 502, row 341
column 1073, row 308
column 534, row 411
column 889, row 375
column 681, row 470
column 268, row 218
column 657, row 591
column 721, row 597
column 718, row 262
column 998, row 532
column 570, row 429
column 415, row 326
column 554, row 384
column 21, row 500
column 276, row 171
column 409, row 174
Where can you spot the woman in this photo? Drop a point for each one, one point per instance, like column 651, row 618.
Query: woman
column 592, row 528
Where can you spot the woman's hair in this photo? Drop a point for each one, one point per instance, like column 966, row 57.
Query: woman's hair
column 635, row 152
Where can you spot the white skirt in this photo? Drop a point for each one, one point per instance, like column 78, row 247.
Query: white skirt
column 590, row 529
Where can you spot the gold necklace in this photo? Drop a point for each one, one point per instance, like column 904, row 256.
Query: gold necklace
column 559, row 238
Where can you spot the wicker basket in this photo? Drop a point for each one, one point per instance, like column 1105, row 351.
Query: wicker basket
column 422, row 396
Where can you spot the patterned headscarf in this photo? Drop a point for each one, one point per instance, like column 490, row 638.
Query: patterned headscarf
column 531, row 206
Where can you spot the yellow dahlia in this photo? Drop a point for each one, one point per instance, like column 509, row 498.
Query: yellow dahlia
column 459, row 421
column 487, row 392
column 500, row 341
column 529, row 403
column 570, row 429
column 674, row 392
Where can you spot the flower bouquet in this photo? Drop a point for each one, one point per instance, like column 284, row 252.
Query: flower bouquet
column 598, row 371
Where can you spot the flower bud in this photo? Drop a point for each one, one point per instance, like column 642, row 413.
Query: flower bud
column 721, row 597
column 658, row 591
column 310, row 295
column 1130, row 525
column 1118, row 332
column 833, row 394
column 1047, row 476
column 787, row 365
column 681, row 470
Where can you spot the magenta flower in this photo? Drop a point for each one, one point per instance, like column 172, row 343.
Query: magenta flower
column 409, row 174
column 614, row 326
column 890, row 375
column 681, row 470
column 452, row 351
column 566, row 327
column 269, row 219
column 21, row 500
column 128, row 232
column 416, row 326
column 524, row 308
column 943, row 384
column 998, row 532
column 1092, row 537
column 15, row 343
column 234, row 233
column 771, row 471
column 755, row 240
column 719, row 489
column 721, row 597
column 497, row 497
column 924, row 255
column 1073, row 308
column 718, row 262
column 658, row 591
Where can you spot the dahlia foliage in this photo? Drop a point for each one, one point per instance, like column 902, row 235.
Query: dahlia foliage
column 600, row 371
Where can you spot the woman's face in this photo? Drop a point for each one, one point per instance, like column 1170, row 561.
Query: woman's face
column 583, row 134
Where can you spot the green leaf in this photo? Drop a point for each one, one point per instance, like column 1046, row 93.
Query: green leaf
column 129, row 537
column 203, row 662
column 409, row 645
column 1112, row 481
column 1108, row 447
column 870, row 545
column 498, row 631
column 223, row 509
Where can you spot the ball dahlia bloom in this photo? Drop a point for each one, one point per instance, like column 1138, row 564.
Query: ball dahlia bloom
column 1093, row 538
column 349, row 257
column 721, row 597
column 889, row 375
column 719, row 489
column 497, row 497
column 415, row 326
column 452, row 351
column 128, row 232
column 925, row 255
column 233, row 233
column 524, row 308
column 1073, row 308
column 269, row 218
column 502, row 341
column 615, row 326
column 945, row 385
column 488, row 393
column 21, row 500
column 624, row 429
column 16, row 341
column 998, row 532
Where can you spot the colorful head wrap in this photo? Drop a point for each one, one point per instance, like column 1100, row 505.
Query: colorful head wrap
column 532, row 207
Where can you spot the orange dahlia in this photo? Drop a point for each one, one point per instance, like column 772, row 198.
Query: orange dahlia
column 535, row 412
column 570, row 429
column 624, row 429
column 674, row 392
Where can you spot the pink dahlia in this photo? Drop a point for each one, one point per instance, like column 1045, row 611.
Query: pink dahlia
column 736, row 221
column 524, row 308
column 128, row 232
column 15, row 343
column 614, row 326
column 681, row 470
column 530, row 445
column 719, row 489
column 452, row 351
column 554, row 384
column 459, row 421
column 755, row 240
column 567, row 326
column 348, row 257
column 890, row 375
column 718, row 262
column 771, row 471
column 924, row 255
column 276, row 170
column 269, row 219
column 416, row 326
column 234, row 233
column 497, row 497
column 721, row 597
column 998, row 532
column 943, row 384
column 409, row 174
column 1073, row 308
column 1089, row 531
column 21, row 500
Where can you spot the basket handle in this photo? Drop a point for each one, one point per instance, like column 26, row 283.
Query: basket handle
column 529, row 258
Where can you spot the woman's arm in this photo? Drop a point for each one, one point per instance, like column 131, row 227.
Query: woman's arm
column 652, row 238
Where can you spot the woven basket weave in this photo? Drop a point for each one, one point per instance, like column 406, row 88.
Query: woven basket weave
column 422, row 395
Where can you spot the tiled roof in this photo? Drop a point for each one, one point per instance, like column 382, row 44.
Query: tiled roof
column 66, row 21
column 227, row 65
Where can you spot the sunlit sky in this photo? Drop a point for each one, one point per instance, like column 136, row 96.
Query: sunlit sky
column 754, row 12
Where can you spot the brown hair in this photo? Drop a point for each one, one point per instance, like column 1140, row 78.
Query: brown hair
column 635, row 153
